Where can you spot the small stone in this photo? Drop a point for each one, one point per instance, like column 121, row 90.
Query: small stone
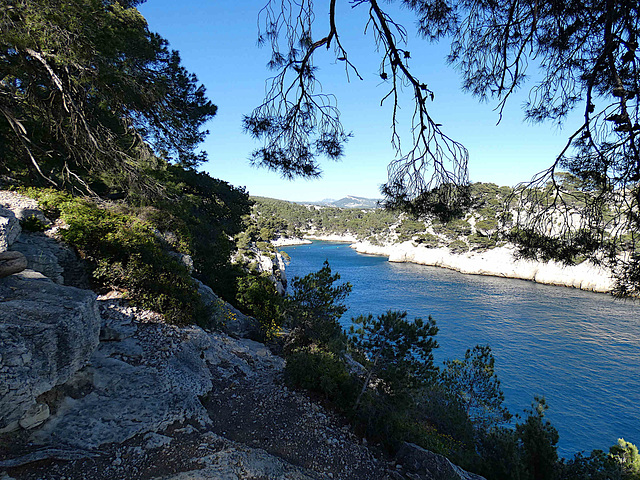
column 35, row 416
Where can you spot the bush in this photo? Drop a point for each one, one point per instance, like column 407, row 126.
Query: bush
column 472, row 384
column 125, row 254
column 33, row 224
column 314, row 308
column 399, row 352
column 427, row 240
column 257, row 296
column 457, row 227
column 539, row 440
column 323, row 373
column 479, row 241
column 459, row 246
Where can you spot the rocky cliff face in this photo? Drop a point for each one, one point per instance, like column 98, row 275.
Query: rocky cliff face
column 91, row 387
column 499, row 262
column 47, row 331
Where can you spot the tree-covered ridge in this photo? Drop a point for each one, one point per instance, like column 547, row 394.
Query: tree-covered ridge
column 475, row 230
column 492, row 217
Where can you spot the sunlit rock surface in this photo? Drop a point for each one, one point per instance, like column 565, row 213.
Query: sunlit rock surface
column 499, row 262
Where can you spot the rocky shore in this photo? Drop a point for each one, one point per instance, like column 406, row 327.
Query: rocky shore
column 498, row 262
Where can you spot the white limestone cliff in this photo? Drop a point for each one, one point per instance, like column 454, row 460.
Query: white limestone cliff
column 499, row 262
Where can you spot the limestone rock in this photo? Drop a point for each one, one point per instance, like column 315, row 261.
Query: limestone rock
column 225, row 315
column 147, row 378
column 22, row 206
column 35, row 416
column 47, row 333
column 53, row 259
column 499, row 262
column 237, row 462
column 9, row 228
column 427, row 465
column 11, row 262
column 41, row 254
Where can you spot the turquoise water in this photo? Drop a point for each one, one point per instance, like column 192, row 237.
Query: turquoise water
column 580, row 350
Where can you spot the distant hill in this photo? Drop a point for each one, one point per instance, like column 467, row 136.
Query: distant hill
column 349, row 201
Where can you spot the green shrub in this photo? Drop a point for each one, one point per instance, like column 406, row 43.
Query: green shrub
column 457, row 227
column 487, row 225
column 33, row 224
column 323, row 373
column 125, row 254
column 257, row 296
column 314, row 308
column 482, row 242
column 427, row 240
column 458, row 246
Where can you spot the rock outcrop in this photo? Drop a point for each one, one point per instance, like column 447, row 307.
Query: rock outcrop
column 9, row 228
column 499, row 262
column 238, row 461
column 22, row 207
column 225, row 316
column 47, row 333
column 12, row 262
column 42, row 254
column 145, row 375
column 426, row 465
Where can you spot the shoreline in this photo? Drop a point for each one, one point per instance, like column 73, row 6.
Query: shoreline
column 334, row 237
column 496, row 262
column 289, row 242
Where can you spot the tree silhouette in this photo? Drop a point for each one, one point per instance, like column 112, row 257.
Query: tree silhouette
column 582, row 55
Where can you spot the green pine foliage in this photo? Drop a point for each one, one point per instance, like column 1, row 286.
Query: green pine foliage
column 538, row 440
column 314, row 308
column 92, row 100
column 397, row 352
column 473, row 384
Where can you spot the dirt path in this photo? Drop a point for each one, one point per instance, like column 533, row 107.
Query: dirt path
column 287, row 424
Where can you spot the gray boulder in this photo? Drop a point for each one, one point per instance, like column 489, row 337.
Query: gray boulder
column 42, row 254
column 226, row 316
column 53, row 259
column 11, row 262
column 426, row 465
column 235, row 461
column 47, row 333
column 9, row 228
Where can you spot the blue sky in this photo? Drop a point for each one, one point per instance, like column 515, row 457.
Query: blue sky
column 217, row 42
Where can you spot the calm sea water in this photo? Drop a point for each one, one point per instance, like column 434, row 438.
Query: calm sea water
column 580, row 350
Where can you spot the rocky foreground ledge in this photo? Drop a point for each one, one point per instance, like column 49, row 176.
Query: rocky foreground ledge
column 155, row 401
column 92, row 388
